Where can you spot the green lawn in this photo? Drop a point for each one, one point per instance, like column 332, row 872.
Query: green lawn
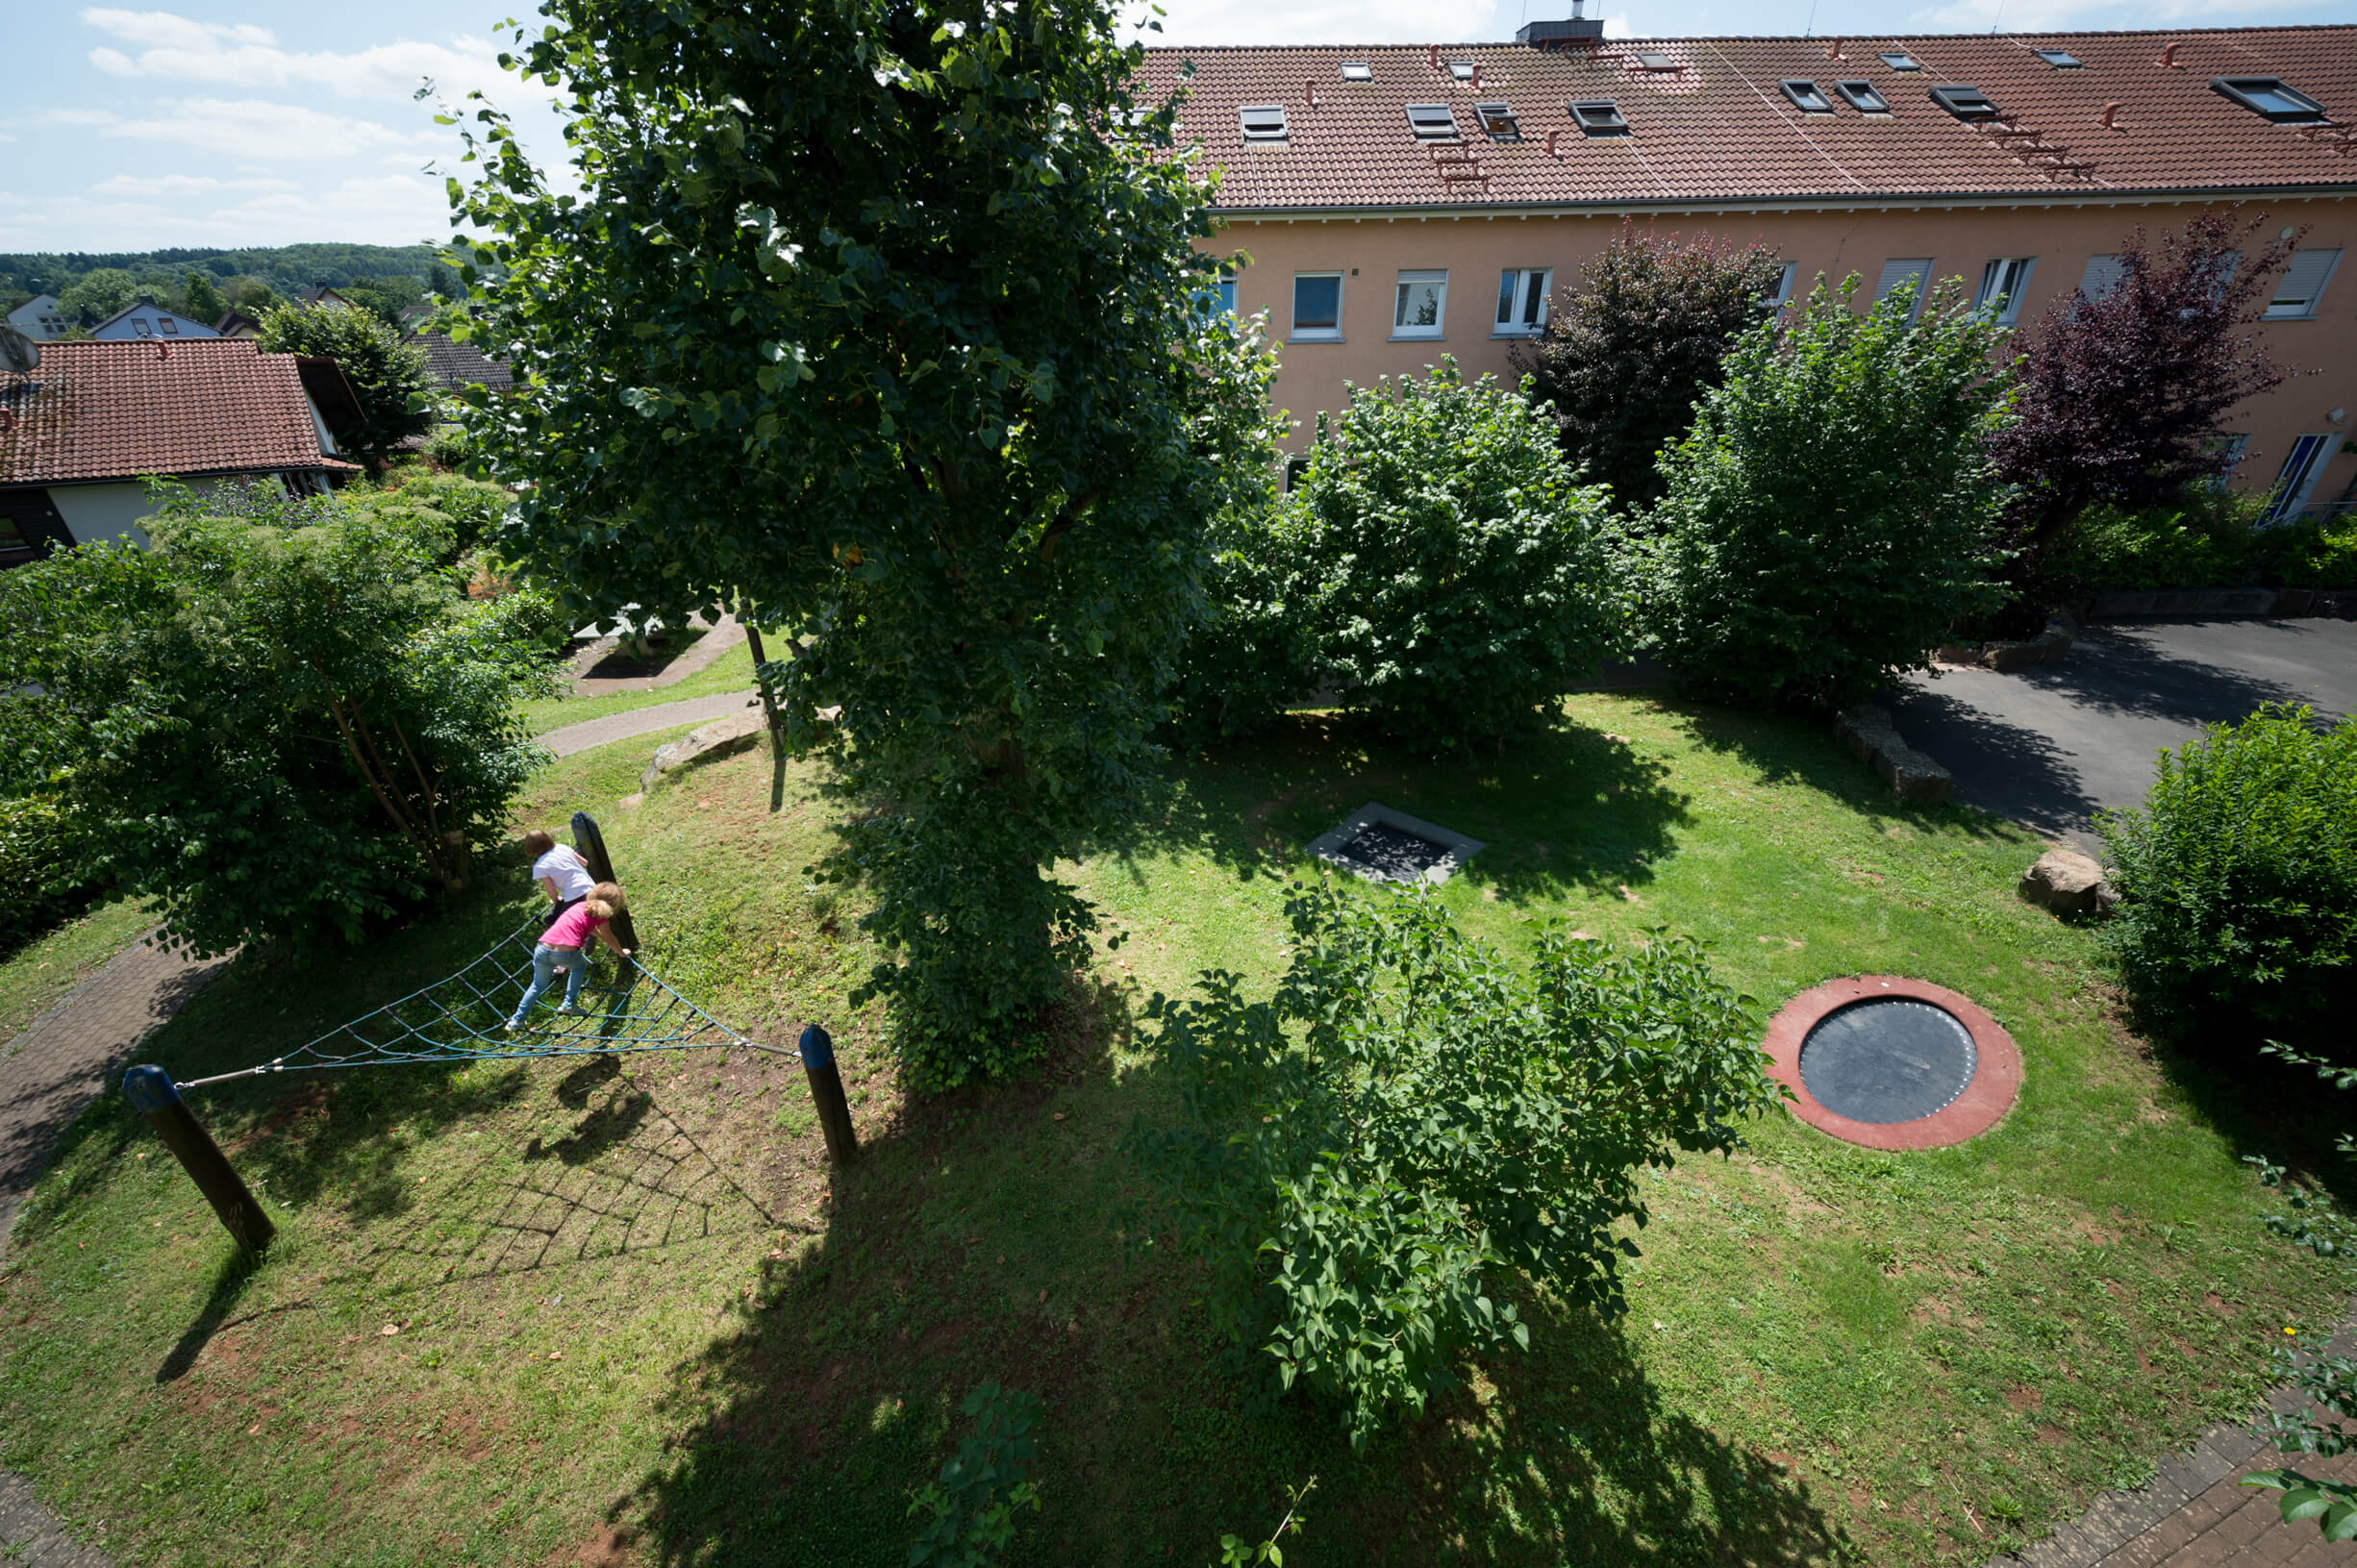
column 637, row 1320
column 36, row 975
column 732, row 671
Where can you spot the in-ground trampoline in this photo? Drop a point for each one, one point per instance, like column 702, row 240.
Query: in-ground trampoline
column 1893, row 1063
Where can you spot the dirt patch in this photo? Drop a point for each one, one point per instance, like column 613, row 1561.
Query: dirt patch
column 2052, row 1434
column 2216, row 1304
column 609, row 1546
column 2022, row 1398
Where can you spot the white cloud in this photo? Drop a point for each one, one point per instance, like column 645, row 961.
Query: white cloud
column 2055, row 15
column 1328, row 21
column 178, row 49
column 392, row 210
column 258, row 129
column 180, row 184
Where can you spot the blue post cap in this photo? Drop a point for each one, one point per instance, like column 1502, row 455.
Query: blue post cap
column 150, row 1089
column 817, row 1046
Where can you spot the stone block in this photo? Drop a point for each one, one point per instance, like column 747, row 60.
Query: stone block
column 2293, row 602
column 722, row 736
column 2067, row 883
column 1913, row 776
column 1864, row 728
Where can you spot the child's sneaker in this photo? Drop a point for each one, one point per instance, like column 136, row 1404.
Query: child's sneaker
column 569, row 1011
column 515, row 1028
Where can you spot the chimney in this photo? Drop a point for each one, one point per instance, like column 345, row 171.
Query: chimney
column 1578, row 31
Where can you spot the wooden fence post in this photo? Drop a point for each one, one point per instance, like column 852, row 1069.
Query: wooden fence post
column 156, row 1097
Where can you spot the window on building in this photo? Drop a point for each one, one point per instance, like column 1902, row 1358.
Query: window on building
column 1317, row 305
column 2270, row 98
column 1964, row 101
column 1914, row 275
column 142, row 326
column 1262, row 122
column 2062, row 60
column 1654, row 60
column 170, row 326
column 1806, row 95
column 15, row 547
column 1357, row 70
column 1498, row 120
column 1461, row 70
column 2227, row 451
column 1432, row 122
column 1521, row 301
column 1424, row 298
column 2004, row 284
column 2102, row 276
column 2302, row 285
column 1599, row 117
column 1781, row 292
column 1900, row 59
column 1295, row 466
column 2303, row 466
column 1219, row 296
column 1862, row 96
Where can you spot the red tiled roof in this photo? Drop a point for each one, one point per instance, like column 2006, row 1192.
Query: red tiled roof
column 1718, row 129
column 117, row 410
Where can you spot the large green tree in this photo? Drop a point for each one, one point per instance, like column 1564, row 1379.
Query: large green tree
column 389, row 377
column 877, row 320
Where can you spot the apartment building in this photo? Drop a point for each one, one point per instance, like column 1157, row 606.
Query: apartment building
column 1395, row 203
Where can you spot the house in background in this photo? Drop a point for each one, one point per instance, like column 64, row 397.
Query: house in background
column 40, row 318
column 147, row 319
column 454, row 364
column 236, row 323
column 320, row 294
column 82, row 432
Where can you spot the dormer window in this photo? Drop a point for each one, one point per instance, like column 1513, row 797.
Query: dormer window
column 1900, row 59
column 2062, row 60
column 1599, row 117
column 1432, row 122
column 1357, row 70
column 1805, row 96
column 1964, row 101
column 1864, row 97
column 1498, row 120
column 2270, row 98
column 1262, row 122
column 1461, row 70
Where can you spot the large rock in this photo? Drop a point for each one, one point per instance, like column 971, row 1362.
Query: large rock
column 733, row 733
column 2067, row 883
column 1913, row 775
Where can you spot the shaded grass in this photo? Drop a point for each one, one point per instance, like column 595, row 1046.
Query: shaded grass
column 38, row 974
column 1833, row 1354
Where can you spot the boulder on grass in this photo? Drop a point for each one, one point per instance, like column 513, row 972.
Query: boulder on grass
column 719, row 737
column 2067, row 883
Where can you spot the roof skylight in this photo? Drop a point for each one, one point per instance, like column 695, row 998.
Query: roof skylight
column 2062, row 60
column 1357, row 70
column 1599, row 117
column 1432, row 122
column 1900, row 59
column 1964, row 101
column 2270, row 97
column 1461, row 70
column 1654, row 60
column 1805, row 96
column 1864, row 97
column 1498, row 120
column 1262, row 122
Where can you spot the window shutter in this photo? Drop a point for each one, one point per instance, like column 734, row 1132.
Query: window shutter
column 2102, row 276
column 2304, row 283
column 1897, row 274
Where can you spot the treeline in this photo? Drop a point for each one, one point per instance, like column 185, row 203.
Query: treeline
column 285, row 269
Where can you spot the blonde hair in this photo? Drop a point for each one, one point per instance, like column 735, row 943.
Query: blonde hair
column 605, row 901
column 538, row 843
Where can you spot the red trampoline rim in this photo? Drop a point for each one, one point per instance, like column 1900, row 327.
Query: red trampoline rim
column 1997, row 1075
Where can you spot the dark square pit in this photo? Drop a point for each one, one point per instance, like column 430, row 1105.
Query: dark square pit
column 1383, row 845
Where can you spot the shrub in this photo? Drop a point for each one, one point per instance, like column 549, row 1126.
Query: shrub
column 1364, row 1159
column 451, row 447
column 2238, row 877
column 1455, row 574
column 389, row 377
column 45, row 852
column 1831, row 514
column 1624, row 359
column 970, row 1510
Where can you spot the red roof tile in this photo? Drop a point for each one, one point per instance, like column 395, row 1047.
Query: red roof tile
column 117, row 410
column 1718, row 129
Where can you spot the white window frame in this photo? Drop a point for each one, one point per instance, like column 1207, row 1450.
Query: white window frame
column 1897, row 272
column 1994, row 277
column 2303, row 466
column 1317, row 334
column 1518, row 315
column 1358, row 70
column 1436, row 280
column 1782, row 295
column 2298, row 292
column 2229, row 457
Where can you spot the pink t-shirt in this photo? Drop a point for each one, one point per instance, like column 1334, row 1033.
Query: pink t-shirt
column 571, row 929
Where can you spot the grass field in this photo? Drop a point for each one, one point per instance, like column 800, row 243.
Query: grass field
column 542, row 1312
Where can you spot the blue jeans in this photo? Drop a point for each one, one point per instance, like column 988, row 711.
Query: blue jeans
column 545, row 961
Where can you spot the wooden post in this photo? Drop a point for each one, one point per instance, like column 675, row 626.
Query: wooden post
column 156, row 1097
column 818, row 1049
column 592, row 845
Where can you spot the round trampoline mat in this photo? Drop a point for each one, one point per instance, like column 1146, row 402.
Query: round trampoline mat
column 1888, row 1060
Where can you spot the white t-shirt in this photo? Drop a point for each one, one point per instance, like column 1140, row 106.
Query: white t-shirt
column 563, row 867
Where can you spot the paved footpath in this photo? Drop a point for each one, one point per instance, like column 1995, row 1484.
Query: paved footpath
column 639, row 721
column 47, row 1075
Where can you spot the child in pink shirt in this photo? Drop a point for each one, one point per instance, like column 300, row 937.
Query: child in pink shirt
column 561, row 945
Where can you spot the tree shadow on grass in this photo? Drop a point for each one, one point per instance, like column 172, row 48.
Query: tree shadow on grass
column 1558, row 809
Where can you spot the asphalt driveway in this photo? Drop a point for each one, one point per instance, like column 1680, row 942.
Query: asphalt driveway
column 2048, row 747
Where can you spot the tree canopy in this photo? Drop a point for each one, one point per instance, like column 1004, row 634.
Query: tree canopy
column 877, row 322
column 389, row 377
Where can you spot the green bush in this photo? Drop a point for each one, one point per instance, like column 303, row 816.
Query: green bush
column 2238, row 878
column 389, row 378
column 451, row 447
column 2209, row 539
column 1366, row 1159
column 43, row 855
column 1455, row 576
column 1832, row 513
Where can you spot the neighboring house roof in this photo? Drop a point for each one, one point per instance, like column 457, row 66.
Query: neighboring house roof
column 118, row 410
column 236, row 323
column 1708, row 121
column 331, row 393
column 455, row 365
column 154, row 320
column 319, row 293
column 40, row 317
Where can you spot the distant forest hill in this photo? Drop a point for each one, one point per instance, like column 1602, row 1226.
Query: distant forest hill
column 285, row 269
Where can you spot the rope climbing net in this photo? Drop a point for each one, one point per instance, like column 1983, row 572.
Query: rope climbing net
column 462, row 1017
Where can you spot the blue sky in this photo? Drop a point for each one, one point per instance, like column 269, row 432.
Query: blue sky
column 262, row 122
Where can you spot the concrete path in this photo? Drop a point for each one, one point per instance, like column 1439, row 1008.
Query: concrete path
column 49, row 1073
column 640, row 721
column 2047, row 747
